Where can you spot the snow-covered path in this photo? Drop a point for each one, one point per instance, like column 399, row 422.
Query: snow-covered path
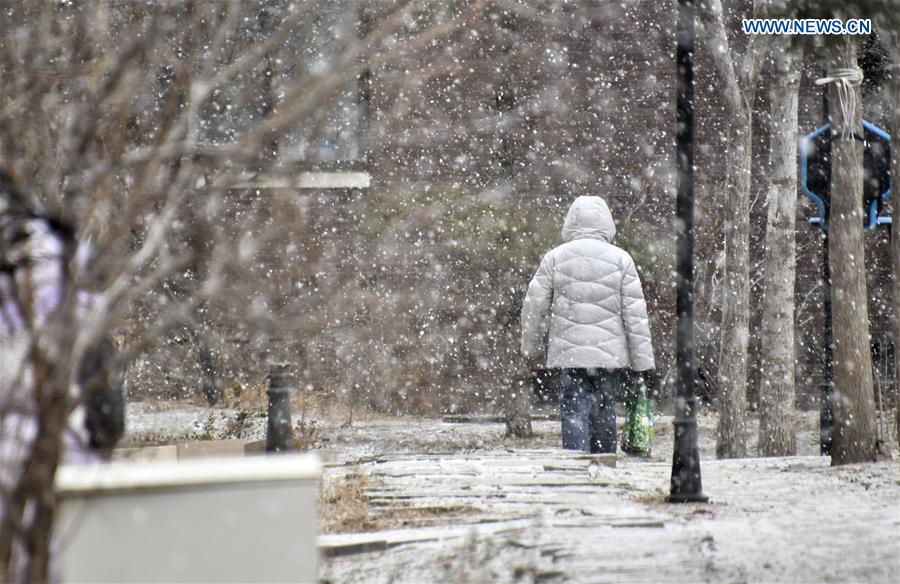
column 546, row 514
column 513, row 512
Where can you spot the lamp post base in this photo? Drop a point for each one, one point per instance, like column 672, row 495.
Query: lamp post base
column 686, row 483
column 688, row 498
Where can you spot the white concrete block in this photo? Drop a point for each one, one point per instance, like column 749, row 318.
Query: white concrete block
column 213, row 520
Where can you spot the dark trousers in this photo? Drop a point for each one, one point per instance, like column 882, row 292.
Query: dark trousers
column 587, row 409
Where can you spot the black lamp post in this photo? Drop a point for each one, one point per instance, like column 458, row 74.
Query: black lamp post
column 686, row 483
column 279, row 437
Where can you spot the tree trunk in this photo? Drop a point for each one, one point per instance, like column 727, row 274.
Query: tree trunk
column 737, row 78
column 510, row 371
column 854, row 403
column 25, row 556
column 37, row 486
column 514, row 377
column 777, row 435
column 518, row 408
column 731, row 433
column 895, row 228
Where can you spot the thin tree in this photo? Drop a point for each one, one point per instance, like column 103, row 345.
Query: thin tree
column 777, row 435
column 516, row 397
column 854, row 403
column 895, row 236
column 737, row 78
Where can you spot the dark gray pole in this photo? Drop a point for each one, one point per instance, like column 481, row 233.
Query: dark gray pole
column 686, row 483
column 279, row 437
column 826, row 412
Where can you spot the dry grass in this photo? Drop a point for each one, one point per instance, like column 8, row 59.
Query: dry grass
column 655, row 497
column 397, row 517
column 145, row 439
column 247, row 398
column 344, row 505
column 306, row 433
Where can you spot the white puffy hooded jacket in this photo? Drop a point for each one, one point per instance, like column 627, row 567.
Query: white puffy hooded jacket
column 586, row 298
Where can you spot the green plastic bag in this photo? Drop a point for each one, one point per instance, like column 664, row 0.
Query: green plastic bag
column 637, row 432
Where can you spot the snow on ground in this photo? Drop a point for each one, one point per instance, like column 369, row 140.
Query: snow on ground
column 462, row 503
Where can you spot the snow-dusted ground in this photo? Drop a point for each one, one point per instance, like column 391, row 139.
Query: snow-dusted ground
column 461, row 503
column 779, row 520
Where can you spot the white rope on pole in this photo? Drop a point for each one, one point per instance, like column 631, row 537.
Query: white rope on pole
column 847, row 80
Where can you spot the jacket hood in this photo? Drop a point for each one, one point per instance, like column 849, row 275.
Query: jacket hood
column 589, row 217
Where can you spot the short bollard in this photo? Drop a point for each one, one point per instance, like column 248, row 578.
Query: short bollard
column 279, row 437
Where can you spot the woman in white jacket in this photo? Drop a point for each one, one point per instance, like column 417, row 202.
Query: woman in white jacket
column 586, row 300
